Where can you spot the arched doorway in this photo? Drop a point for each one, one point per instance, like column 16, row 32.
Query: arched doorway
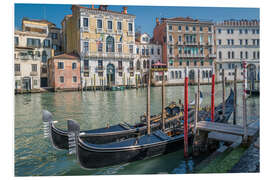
column 251, row 75
column 110, row 74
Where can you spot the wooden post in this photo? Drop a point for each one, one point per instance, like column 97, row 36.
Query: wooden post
column 223, row 93
column 94, row 82
column 235, row 96
column 109, row 81
column 186, row 115
column 213, row 96
column 198, row 91
column 244, row 102
column 148, row 105
column 196, row 114
column 124, row 79
column 136, row 76
column 163, row 101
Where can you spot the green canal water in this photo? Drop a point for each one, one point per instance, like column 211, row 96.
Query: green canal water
column 35, row 156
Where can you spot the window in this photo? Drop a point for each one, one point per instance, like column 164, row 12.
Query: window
column 201, row 28
column 187, row 63
column 74, row 65
column 179, row 28
column 100, row 47
column 220, row 55
column 85, row 22
column 130, row 27
column 246, row 31
column 74, row 79
column 202, row 62
column 99, row 24
column 241, row 54
column 170, row 50
column 219, row 42
column 219, row 31
column 193, row 28
column 170, row 27
column 35, row 82
column 144, row 64
column 34, row 67
column 258, row 55
column 195, row 63
column 232, row 54
column 179, row 50
column 186, row 28
column 257, row 31
column 85, row 46
column 138, row 51
column 152, row 51
column 246, row 55
column 254, row 55
column 60, row 65
column 246, row 41
column 253, row 31
column 209, row 29
column 240, row 31
column 232, row 42
column 138, row 65
column 44, row 56
column 119, row 47
column 119, row 26
column 180, row 62
column 86, row 64
column 229, row 55
column 254, row 41
column 61, row 79
column 33, row 42
column 147, row 52
column 131, row 65
column 100, row 63
column 131, row 49
column 16, row 41
column 46, row 43
column 120, row 65
column 109, row 25
column 172, row 75
column 228, row 41
column 110, row 44
column 220, row 66
column 231, row 31
column 228, row 31
column 17, row 68
column 158, row 51
column 143, row 51
column 54, row 35
column 170, row 38
column 240, row 41
column 179, row 38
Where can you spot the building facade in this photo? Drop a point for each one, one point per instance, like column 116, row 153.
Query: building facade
column 148, row 52
column 64, row 72
column 238, row 41
column 186, row 42
column 105, row 42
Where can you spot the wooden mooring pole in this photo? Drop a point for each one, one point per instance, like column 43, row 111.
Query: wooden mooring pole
column 196, row 114
column 163, row 101
column 235, row 96
column 244, row 102
column 148, row 104
column 223, row 93
column 94, row 82
column 213, row 96
column 198, row 90
column 186, row 115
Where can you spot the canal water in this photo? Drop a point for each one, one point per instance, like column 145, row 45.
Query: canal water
column 35, row 156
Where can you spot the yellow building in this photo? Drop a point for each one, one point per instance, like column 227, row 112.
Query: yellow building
column 105, row 42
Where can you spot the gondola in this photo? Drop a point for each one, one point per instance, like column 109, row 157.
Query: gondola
column 59, row 137
column 156, row 143
column 252, row 92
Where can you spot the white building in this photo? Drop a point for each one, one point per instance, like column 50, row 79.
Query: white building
column 238, row 41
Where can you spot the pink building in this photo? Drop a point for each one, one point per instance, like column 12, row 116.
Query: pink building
column 64, row 72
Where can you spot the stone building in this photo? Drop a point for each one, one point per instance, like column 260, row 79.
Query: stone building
column 64, row 72
column 148, row 52
column 105, row 42
column 238, row 40
column 186, row 42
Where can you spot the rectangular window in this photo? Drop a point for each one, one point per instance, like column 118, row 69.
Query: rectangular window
column 201, row 28
column 33, row 42
column 62, row 79
column 246, row 31
column 35, row 82
column 257, row 31
column 86, row 64
column 100, row 63
column 246, row 55
column 74, row 79
column 209, row 29
column 158, row 51
column 179, row 38
column 143, row 51
column 152, row 51
column 179, row 28
column 119, row 26
column 170, row 27
column 253, row 31
column 240, row 41
column 54, row 35
column 138, row 51
column 109, row 25
column 74, row 65
column 85, row 46
column 60, row 65
column 231, row 31
column 246, row 41
column 46, row 43
column 219, row 31
column 131, row 49
column 228, row 31
column 85, row 22
column 130, row 27
column 186, row 28
column 34, row 67
column 99, row 24
column 119, row 48
column 171, row 50
column 254, row 55
column 147, row 52
column 240, row 31
column 16, row 41
column 17, row 68
column 193, row 28
column 232, row 41
column 100, row 47
column 241, row 55
column 120, row 65
column 170, row 38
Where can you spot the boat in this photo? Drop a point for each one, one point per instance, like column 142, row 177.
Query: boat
column 59, row 137
column 252, row 92
column 91, row 156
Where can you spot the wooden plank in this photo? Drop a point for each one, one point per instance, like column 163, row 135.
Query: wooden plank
column 224, row 137
column 224, row 128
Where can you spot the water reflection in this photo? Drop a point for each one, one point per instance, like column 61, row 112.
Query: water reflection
column 35, row 156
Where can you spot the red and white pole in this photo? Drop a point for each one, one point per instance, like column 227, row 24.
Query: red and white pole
column 186, row 115
column 213, row 95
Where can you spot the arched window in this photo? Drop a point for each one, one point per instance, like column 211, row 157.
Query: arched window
column 203, row 74
column 110, row 44
column 44, row 56
column 176, row 75
column 180, row 74
column 138, row 65
column 220, row 55
column 144, row 64
column 148, row 63
column 172, row 75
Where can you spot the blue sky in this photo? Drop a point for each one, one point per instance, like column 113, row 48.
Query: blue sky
column 145, row 15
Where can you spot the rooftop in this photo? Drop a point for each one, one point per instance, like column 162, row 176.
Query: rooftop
column 66, row 56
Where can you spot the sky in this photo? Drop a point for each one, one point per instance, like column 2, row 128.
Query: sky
column 145, row 15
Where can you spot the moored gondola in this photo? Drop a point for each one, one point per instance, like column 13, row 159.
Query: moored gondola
column 156, row 143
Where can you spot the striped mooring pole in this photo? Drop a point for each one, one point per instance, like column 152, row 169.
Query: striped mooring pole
column 186, row 115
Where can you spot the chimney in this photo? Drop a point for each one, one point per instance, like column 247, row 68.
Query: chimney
column 92, row 6
column 157, row 22
column 124, row 10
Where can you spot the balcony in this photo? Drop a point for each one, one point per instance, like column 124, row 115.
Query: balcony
column 100, row 69
column 112, row 55
column 170, row 42
column 180, row 43
column 33, row 73
column 85, row 53
column 85, row 29
column 26, row 57
column 18, row 73
column 131, row 69
column 212, row 55
column 130, row 33
column 190, row 55
column 119, row 31
column 99, row 30
column 191, row 43
column 109, row 30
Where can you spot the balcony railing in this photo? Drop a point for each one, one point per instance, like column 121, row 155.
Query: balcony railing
column 130, row 33
column 131, row 69
column 190, row 55
column 85, row 29
column 100, row 69
column 212, row 55
column 191, row 43
column 99, row 30
column 112, row 55
column 18, row 73
column 119, row 31
column 33, row 73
